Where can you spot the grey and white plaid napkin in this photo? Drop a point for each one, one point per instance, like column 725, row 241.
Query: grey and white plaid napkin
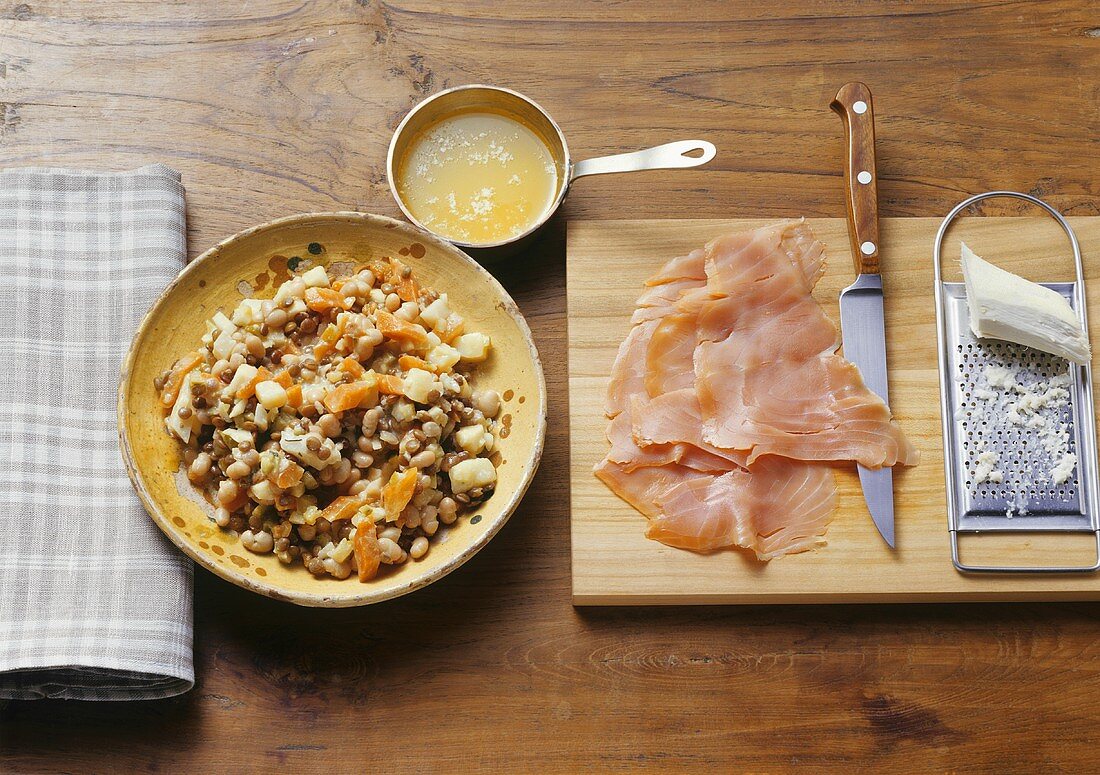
column 95, row 604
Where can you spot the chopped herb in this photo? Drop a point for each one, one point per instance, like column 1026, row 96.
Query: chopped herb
column 315, row 248
column 292, row 263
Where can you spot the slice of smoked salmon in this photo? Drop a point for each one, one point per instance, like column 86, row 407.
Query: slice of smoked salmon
column 779, row 506
column 727, row 400
column 767, row 376
column 674, row 418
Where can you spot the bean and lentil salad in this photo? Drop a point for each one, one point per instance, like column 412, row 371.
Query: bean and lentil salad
column 335, row 424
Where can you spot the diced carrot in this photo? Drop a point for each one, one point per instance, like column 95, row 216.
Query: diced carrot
column 350, row 395
column 329, row 337
column 324, row 299
column 395, row 328
column 404, row 284
column 368, row 554
column 284, row 378
column 170, row 391
column 397, row 493
column 393, row 271
column 390, row 385
column 294, row 396
column 407, row 362
column 289, row 474
column 381, row 269
column 451, row 328
column 352, row 367
column 337, row 285
column 343, row 507
column 248, row 389
column 289, row 348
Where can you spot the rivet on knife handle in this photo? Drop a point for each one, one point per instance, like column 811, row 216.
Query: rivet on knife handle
column 853, row 103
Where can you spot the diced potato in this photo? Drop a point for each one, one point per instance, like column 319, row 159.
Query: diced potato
column 473, row 347
column 233, row 437
column 297, row 308
column 271, row 394
column 315, row 392
column 307, row 514
column 249, row 312
column 223, row 345
column 433, row 340
column 295, row 445
column 450, row 384
column 286, row 291
column 260, row 417
column 444, row 357
column 182, row 428
column 263, row 492
column 244, row 374
column 343, row 550
column 223, row 323
column 418, row 384
column 471, row 438
column 403, row 411
column 316, row 277
column 436, row 312
column 468, row 474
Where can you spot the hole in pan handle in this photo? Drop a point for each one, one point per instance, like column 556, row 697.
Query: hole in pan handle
column 668, row 156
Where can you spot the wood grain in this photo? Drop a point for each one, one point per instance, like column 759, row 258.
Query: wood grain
column 613, row 562
column 283, row 106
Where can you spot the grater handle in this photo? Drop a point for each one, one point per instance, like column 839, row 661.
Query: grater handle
column 853, row 103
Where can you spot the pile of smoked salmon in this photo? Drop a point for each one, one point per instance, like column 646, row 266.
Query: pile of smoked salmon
column 728, row 403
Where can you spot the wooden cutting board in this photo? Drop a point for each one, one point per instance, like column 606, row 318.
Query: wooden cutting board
column 613, row 562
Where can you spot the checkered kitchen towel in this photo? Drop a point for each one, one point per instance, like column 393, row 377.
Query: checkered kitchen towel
column 95, row 604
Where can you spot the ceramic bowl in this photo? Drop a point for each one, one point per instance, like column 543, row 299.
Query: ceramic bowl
column 254, row 263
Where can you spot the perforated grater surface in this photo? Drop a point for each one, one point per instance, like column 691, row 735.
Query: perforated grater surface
column 975, row 422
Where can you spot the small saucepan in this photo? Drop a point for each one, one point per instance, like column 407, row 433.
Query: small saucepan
column 497, row 101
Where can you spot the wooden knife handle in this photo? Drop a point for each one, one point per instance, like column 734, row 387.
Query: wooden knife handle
column 853, row 103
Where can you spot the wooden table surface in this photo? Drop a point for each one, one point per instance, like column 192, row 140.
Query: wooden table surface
column 272, row 108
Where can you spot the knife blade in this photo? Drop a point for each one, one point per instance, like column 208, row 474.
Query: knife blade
column 862, row 322
column 862, row 326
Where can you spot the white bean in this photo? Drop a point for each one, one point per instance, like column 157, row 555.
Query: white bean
column 238, row 469
column 391, row 552
column 200, row 466
column 260, row 543
column 422, row 460
column 227, row 491
column 448, row 510
column 488, row 402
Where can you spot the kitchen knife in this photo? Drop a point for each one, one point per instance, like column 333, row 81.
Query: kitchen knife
column 861, row 318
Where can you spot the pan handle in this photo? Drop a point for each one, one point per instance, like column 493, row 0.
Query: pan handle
column 660, row 157
column 853, row 103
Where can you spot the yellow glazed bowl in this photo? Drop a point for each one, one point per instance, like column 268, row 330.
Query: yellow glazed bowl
column 255, row 262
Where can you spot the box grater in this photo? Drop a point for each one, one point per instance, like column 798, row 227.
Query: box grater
column 977, row 429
